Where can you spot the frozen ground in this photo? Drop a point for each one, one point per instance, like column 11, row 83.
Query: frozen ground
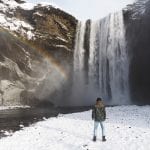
column 128, row 128
column 13, row 107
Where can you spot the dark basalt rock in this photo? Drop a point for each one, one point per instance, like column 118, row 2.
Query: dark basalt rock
column 138, row 36
column 20, row 1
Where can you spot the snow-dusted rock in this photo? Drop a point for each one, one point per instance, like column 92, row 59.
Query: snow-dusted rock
column 11, row 92
column 37, row 21
column 137, row 9
column 34, row 41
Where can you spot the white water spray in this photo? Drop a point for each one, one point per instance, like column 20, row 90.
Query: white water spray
column 78, row 87
column 111, row 58
column 108, row 68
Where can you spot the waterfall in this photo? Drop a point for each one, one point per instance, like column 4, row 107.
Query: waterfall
column 79, row 50
column 108, row 64
column 109, row 57
column 78, row 87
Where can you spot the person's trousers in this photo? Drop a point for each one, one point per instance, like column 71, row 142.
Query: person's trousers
column 96, row 124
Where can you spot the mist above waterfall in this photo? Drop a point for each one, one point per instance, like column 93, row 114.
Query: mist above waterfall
column 107, row 71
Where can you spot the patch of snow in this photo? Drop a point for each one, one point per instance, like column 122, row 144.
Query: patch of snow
column 63, row 46
column 138, row 8
column 21, row 125
column 7, row 133
column 44, row 4
column 11, row 4
column 16, row 25
column 59, row 38
column 27, row 6
column 3, row 7
column 62, row 25
column 14, row 107
column 12, row 23
column 127, row 128
column 38, row 14
column 19, row 26
column 30, row 35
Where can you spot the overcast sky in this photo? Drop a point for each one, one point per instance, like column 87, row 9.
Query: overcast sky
column 85, row 9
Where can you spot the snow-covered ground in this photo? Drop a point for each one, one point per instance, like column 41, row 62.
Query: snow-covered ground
column 13, row 107
column 127, row 128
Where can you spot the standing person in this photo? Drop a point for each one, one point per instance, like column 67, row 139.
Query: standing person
column 99, row 116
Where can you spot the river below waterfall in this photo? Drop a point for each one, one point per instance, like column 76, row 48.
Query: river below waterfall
column 12, row 120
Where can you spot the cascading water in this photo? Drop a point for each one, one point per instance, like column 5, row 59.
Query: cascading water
column 79, row 50
column 109, row 58
column 108, row 64
column 79, row 56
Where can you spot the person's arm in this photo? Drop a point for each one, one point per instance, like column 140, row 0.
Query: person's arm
column 93, row 113
column 104, row 113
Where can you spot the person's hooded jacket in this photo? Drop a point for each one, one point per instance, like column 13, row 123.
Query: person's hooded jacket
column 98, row 112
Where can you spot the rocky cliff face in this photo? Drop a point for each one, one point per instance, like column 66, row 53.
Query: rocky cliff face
column 137, row 20
column 36, row 44
column 36, row 51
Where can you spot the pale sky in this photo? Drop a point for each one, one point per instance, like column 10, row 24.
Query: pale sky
column 88, row 9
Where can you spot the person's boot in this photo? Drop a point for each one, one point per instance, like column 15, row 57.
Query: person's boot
column 103, row 138
column 94, row 138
